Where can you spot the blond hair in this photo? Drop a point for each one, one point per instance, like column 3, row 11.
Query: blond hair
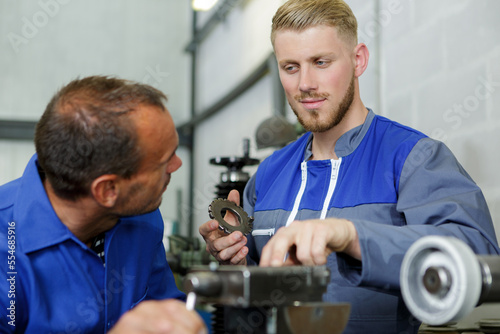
column 299, row 15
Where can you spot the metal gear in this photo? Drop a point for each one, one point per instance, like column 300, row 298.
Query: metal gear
column 219, row 205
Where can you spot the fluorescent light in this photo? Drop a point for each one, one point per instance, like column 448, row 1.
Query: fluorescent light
column 203, row 4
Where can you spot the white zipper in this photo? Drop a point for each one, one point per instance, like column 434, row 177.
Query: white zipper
column 267, row 231
column 293, row 214
column 331, row 187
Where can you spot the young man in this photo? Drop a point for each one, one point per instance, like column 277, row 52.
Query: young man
column 84, row 229
column 356, row 190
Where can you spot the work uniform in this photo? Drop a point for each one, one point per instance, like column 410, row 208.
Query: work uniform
column 396, row 185
column 61, row 285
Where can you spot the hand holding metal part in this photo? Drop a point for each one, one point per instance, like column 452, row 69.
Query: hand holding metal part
column 218, row 206
column 229, row 249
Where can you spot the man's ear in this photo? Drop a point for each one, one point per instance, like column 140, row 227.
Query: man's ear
column 361, row 56
column 105, row 190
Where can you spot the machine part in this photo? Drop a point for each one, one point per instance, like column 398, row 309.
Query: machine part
column 237, row 163
column 245, row 286
column 442, row 280
column 190, row 301
column 284, row 300
column 311, row 317
column 275, row 131
column 218, row 319
column 185, row 253
column 218, row 206
column 318, row 318
column 234, row 177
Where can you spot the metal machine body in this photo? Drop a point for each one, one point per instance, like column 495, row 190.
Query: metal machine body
column 249, row 299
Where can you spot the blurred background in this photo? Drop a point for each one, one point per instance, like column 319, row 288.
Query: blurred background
column 434, row 65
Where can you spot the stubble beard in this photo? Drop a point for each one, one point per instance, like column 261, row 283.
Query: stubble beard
column 131, row 207
column 336, row 115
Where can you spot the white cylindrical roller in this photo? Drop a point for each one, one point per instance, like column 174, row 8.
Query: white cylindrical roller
column 440, row 279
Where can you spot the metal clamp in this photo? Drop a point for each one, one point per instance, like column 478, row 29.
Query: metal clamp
column 219, row 205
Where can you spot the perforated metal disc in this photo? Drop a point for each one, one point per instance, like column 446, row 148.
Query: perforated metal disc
column 218, row 206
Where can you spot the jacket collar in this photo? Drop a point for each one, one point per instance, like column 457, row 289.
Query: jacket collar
column 349, row 141
column 37, row 223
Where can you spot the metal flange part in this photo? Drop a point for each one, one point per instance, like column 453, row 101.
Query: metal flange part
column 216, row 208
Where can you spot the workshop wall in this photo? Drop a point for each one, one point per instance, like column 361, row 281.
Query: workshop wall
column 47, row 43
column 441, row 74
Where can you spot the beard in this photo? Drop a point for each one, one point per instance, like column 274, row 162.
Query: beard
column 136, row 203
column 335, row 115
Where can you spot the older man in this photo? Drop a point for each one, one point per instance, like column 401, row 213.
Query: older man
column 84, row 230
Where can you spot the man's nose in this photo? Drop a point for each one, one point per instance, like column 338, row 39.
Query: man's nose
column 307, row 80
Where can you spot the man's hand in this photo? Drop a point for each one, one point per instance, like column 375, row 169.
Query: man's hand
column 159, row 317
column 309, row 242
column 227, row 249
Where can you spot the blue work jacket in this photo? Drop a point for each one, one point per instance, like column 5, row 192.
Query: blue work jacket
column 51, row 282
column 396, row 185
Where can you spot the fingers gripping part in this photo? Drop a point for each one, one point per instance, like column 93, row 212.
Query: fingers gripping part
column 219, row 205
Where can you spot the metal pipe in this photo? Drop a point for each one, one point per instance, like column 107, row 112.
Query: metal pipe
column 220, row 14
column 17, row 129
column 190, row 134
column 244, row 85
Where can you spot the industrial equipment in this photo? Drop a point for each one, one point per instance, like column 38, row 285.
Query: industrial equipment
column 258, row 300
column 185, row 252
column 442, row 280
column 234, row 177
